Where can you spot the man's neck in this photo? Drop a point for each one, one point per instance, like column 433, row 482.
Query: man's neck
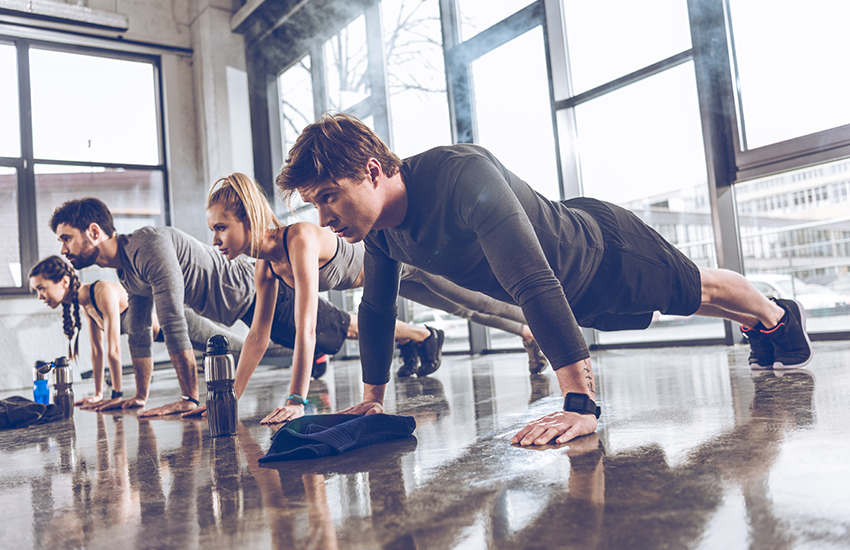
column 108, row 253
column 395, row 203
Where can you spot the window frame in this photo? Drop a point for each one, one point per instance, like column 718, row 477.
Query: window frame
column 26, row 162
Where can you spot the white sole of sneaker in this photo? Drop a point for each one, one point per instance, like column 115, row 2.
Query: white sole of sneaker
column 782, row 366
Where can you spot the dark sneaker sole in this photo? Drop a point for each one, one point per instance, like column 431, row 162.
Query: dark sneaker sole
column 781, row 366
column 404, row 373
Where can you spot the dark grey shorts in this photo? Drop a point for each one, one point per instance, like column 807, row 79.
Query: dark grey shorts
column 640, row 273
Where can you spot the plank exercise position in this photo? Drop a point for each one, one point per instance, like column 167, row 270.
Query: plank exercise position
column 456, row 211
column 310, row 259
column 166, row 267
column 105, row 305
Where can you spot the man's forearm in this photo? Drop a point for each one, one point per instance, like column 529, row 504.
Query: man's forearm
column 577, row 378
column 187, row 372
column 142, row 370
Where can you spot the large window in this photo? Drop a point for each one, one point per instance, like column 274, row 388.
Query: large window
column 412, row 114
column 90, row 128
column 795, row 237
column 652, row 123
column 789, row 83
column 661, row 107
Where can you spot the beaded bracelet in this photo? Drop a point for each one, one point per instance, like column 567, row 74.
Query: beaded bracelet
column 298, row 399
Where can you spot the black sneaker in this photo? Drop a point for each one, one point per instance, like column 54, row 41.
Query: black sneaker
column 320, row 365
column 792, row 348
column 536, row 360
column 431, row 352
column 761, row 348
column 409, row 360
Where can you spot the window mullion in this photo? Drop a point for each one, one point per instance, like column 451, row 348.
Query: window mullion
column 27, row 227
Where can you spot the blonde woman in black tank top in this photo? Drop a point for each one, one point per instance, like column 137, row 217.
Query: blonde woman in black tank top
column 235, row 206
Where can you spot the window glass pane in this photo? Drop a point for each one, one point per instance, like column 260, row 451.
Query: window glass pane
column 347, row 66
column 789, row 57
column 513, row 114
column 795, row 236
column 93, row 109
column 478, row 15
column 133, row 196
column 10, row 255
column 514, row 121
column 611, row 38
column 641, row 147
column 10, row 134
column 416, row 75
column 295, row 89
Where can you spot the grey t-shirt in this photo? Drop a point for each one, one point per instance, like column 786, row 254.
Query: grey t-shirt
column 169, row 268
column 477, row 224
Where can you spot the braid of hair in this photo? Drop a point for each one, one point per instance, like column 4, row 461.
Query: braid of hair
column 72, row 326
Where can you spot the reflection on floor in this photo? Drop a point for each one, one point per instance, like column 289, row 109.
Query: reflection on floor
column 693, row 451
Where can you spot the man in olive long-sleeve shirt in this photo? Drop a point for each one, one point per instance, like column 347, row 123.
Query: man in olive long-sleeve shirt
column 457, row 212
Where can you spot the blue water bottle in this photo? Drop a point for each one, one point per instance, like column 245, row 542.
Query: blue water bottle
column 40, row 391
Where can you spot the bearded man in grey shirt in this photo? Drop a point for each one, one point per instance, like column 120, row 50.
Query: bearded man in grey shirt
column 457, row 212
column 166, row 267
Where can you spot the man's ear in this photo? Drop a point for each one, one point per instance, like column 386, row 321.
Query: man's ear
column 94, row 231
column 373, row 170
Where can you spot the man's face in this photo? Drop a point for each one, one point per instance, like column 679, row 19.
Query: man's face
column 350, row 207
column 76, row 246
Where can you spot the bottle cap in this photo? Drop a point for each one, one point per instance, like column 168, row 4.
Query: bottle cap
column 42, row 370
column 217, row 345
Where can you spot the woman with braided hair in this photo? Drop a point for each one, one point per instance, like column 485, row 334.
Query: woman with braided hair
column 104, row 304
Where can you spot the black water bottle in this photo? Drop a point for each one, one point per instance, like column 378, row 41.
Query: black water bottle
column 63, row 389
column 219, row 374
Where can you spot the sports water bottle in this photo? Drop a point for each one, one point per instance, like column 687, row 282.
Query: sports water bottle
column 219, row 374
column 40, row 391
column 63, row 391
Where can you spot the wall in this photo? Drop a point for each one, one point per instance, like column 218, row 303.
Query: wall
column 203, row 68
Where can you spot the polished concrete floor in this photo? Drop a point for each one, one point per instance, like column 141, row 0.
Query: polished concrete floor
column 693, row 451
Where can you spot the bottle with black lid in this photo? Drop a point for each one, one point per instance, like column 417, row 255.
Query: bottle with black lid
column 220, row 374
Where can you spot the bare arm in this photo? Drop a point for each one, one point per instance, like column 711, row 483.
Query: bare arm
column 95, row 336
column 306, row 243
column 110, row 296
column 142, row 371
column 187, row 377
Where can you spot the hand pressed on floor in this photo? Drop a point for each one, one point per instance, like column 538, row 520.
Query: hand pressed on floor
column 563, row 425
column 113, row 404
column 365, row 407
column 284, row 414
column 172, row 408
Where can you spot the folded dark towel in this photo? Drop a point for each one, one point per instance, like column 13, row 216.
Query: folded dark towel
column 20, row 412
column 331, row 434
